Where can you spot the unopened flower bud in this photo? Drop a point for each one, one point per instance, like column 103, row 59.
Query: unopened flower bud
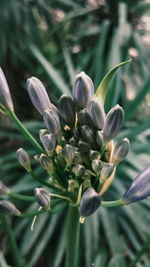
column 23, row 159
column 120, row 151
column 83, row 90
column 94, row 154
column 99, row 138
column 42, row 196
column 68, row 153
column 49, row 142
column 77, row 158
column 88, row 134
column 97, row 114
column 96, row 166
column 139, row 188
column 90, row 202
column 84, row 117
column 4, row 190
column 86, row 184
column 83, row 146
column 86, row 176
column 113, row 123
column 79, row 170
column 72, row 141
column 9, row 208
column 46, row 163
column 73, row 185
column 5, row 97
column 51, row 120
column 42, row 132
column 38, row 95
column 106, row 172
column 67, row 110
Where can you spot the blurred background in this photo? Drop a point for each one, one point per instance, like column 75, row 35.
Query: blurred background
column 54, row 40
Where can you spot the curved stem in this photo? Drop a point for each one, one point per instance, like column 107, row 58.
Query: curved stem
column 21, row 197
column 32, row 213
column 60, row 196
column 25, row 132
column 110, row 204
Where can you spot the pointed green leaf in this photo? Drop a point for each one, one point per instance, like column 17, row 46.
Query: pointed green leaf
column 104, row 84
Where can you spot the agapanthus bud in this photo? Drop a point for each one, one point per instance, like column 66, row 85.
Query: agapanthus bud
column 88, row 134
column 49, row 142
column 67, row 110
column 73, row 185
column 79, row 170
column 86, row 184
column 68, row 153
column 94, row 154
column 51, row 120
column 4, row 190
column 96, row 166
column 5, row 97
column 86, row 176
column 106, row 171
column 83, row 146
column 42, row 196
column 97, row 114
column 72, row 141
column 113, row 122
column 77, row 158
column 120, row 151
column 42, row 132
column 9, row 208
column 99, row 138
column 46, row 163
column 38, row 95
column 23, row 159
column 83, row 90
column 84, row 117
column 139, row 188
column 90, row 202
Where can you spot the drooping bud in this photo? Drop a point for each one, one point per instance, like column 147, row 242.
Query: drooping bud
column 97, row 114
column 84, row 117
column 94, row 154
column 42, row 196
column 96, row 166
column 23, row 159
column 51, row 120
column 79, row 170
column 67, row 110
column 83, row 90
column 49, row 142
column 120, row 151
column 4, row 190
column 42, row 132
column 68, row 153
column 99, row 138
column 113, row 122
column 38, row 95
column 106, row 172
column 73, row 185
column 139, row 188
column 90, row 202
column 88, row 134
column 5, row 97
column 9, row 208
column 46, row 163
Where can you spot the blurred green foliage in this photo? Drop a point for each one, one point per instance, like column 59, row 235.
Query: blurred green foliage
column 54, row 40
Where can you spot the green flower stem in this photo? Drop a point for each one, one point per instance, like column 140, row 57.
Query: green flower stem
column 140, row 253
column 41, row 181
column 110, row 204
column 32, row 214
column 25, row 132
column 72, row 237
column 60, row 196
column 21, row 197
column 18, row 261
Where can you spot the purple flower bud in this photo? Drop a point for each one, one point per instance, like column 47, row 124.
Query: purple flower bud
column 79, row 170
column 42, row 196
column 23, row 159
column 5, row 97
column 139, row 188
column 9, row 208
column 120, row 151
column 88, row 134
column 106, row 172
column 84, row 117
column 67, row 110
column 90, row 202
column 83, row 90
column 68, row 153
column 46, row 163
column 4, row 190
column 96, row 166
column 52, row 122
column 97, row 114
column 49, row 142
column 38, row 95
column 113, row 123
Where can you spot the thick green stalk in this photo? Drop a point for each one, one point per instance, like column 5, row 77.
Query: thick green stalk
column 21, row 197
column 110, row 204
column 25, row 132
column 18, row 261
column 72, row 237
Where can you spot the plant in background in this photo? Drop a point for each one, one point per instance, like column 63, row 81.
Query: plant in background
column 77, row 151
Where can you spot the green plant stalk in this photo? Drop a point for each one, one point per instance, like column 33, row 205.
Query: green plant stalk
column 72, row 237
column 38, row 179
column 24, row 131
column 32, row 213
column 21, row 197
column 18, row 262
column 139, row 254
column 115, row 203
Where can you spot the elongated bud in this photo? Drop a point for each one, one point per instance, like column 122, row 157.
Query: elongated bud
column 5, row 97
column 49, row 142
column 9, row 208
column 139, row 188
column 4, row 190
column 83, row 90
column 38, row 95
column 83, row 146
column 106, row 172
column 96, row 166
column 79, row 170
column 120, row 151
column 90, row 202
column 51, row 120
column 42, row 196
column 88, row 134
column 73, row 185
column 42, row 132
column 68, row 153
column 46, row 163
column 99, row 138
column 77, row 158
column 23, row 159
column 84, row 117
column 94, row 154
column 67, row 110
column 97, row 114
column 113, row 123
